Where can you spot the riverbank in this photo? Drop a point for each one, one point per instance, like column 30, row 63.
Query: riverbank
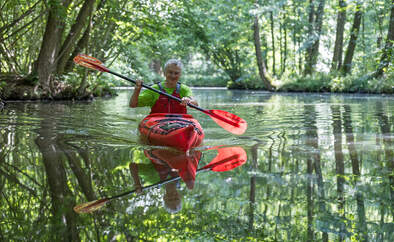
column 25, row 89
column 18, row 88
column 322, row 82
column 339, row 84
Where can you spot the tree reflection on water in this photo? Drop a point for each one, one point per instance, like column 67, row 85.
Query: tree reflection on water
column 315, row 172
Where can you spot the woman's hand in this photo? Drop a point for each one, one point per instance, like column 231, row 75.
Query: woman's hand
column 138, row 84
column 187, row 100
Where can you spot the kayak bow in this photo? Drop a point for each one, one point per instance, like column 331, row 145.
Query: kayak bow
column 180, row 131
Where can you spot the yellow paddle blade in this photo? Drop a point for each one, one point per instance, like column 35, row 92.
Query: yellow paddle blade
column 90, row 206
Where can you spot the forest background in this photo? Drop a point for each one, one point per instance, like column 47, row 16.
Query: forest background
column 288, row 45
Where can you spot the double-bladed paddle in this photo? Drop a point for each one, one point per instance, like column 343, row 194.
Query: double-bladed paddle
column 226, row 120
column 227, row 159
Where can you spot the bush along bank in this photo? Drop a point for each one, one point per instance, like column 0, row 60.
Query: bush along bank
column 25, row 88
column 321, row 82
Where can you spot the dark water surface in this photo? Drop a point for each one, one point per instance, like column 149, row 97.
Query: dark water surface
column 320, row 167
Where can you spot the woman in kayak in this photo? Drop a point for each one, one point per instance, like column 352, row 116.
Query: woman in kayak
column 160, row 103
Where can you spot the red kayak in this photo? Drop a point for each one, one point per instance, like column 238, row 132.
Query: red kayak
column 180, row 131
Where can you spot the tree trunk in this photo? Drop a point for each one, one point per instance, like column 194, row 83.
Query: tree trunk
column 280, row 47
column 379, row 18
column 80, row 47
column 315, row 21
column 387, row 56
column 347, row 63
column 46, row 61
column 284, row 53
column 260, row 63
column 273, row 43
column 338, row 48
column 294, row 38
column 308, row 55
column 318, row 29
column 69, row 44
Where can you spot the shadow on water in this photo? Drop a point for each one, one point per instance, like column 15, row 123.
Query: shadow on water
column 320, row 168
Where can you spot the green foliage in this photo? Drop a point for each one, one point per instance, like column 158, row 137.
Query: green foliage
column 334, row 82
column 73, row 78
column 202, row 73
column 96, row 86
column 31, row 79
column 363, row 84
column 3, row 84
column 222, row 31
column 311, row 83
column 102, row 87
column 132, row 35
column 246, row 82
column 200, row 80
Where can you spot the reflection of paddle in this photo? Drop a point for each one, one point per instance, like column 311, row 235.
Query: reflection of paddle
column 227, row 159
column 184, row 163
column 226, row 120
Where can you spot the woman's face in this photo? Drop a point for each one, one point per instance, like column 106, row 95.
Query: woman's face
column 173, row 73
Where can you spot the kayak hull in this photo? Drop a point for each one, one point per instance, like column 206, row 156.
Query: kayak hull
column 180, row 131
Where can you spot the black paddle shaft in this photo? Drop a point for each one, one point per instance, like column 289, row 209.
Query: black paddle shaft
column 158, row 91
column 156, row 184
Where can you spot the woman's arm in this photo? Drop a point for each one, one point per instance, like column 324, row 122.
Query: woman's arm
column 134, row 173
column 134, row 98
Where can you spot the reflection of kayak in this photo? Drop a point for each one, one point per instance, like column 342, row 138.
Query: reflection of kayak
column 180, row 131
column 184, row 164
column 167, row 161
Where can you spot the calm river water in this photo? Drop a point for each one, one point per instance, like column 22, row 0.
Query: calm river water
column 320, row 167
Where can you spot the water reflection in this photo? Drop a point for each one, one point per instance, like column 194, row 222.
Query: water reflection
column 164, row 163
column 161, row 164
column 320, row 167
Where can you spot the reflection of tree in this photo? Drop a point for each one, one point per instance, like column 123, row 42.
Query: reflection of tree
column 64, row 225
column 339, row 164
column 20, row 188
column 315, row 160
column 278, row 197
column 252, row 195
column 309, row 200
column 347, row 123
column 387, row 133
column 84, row 180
